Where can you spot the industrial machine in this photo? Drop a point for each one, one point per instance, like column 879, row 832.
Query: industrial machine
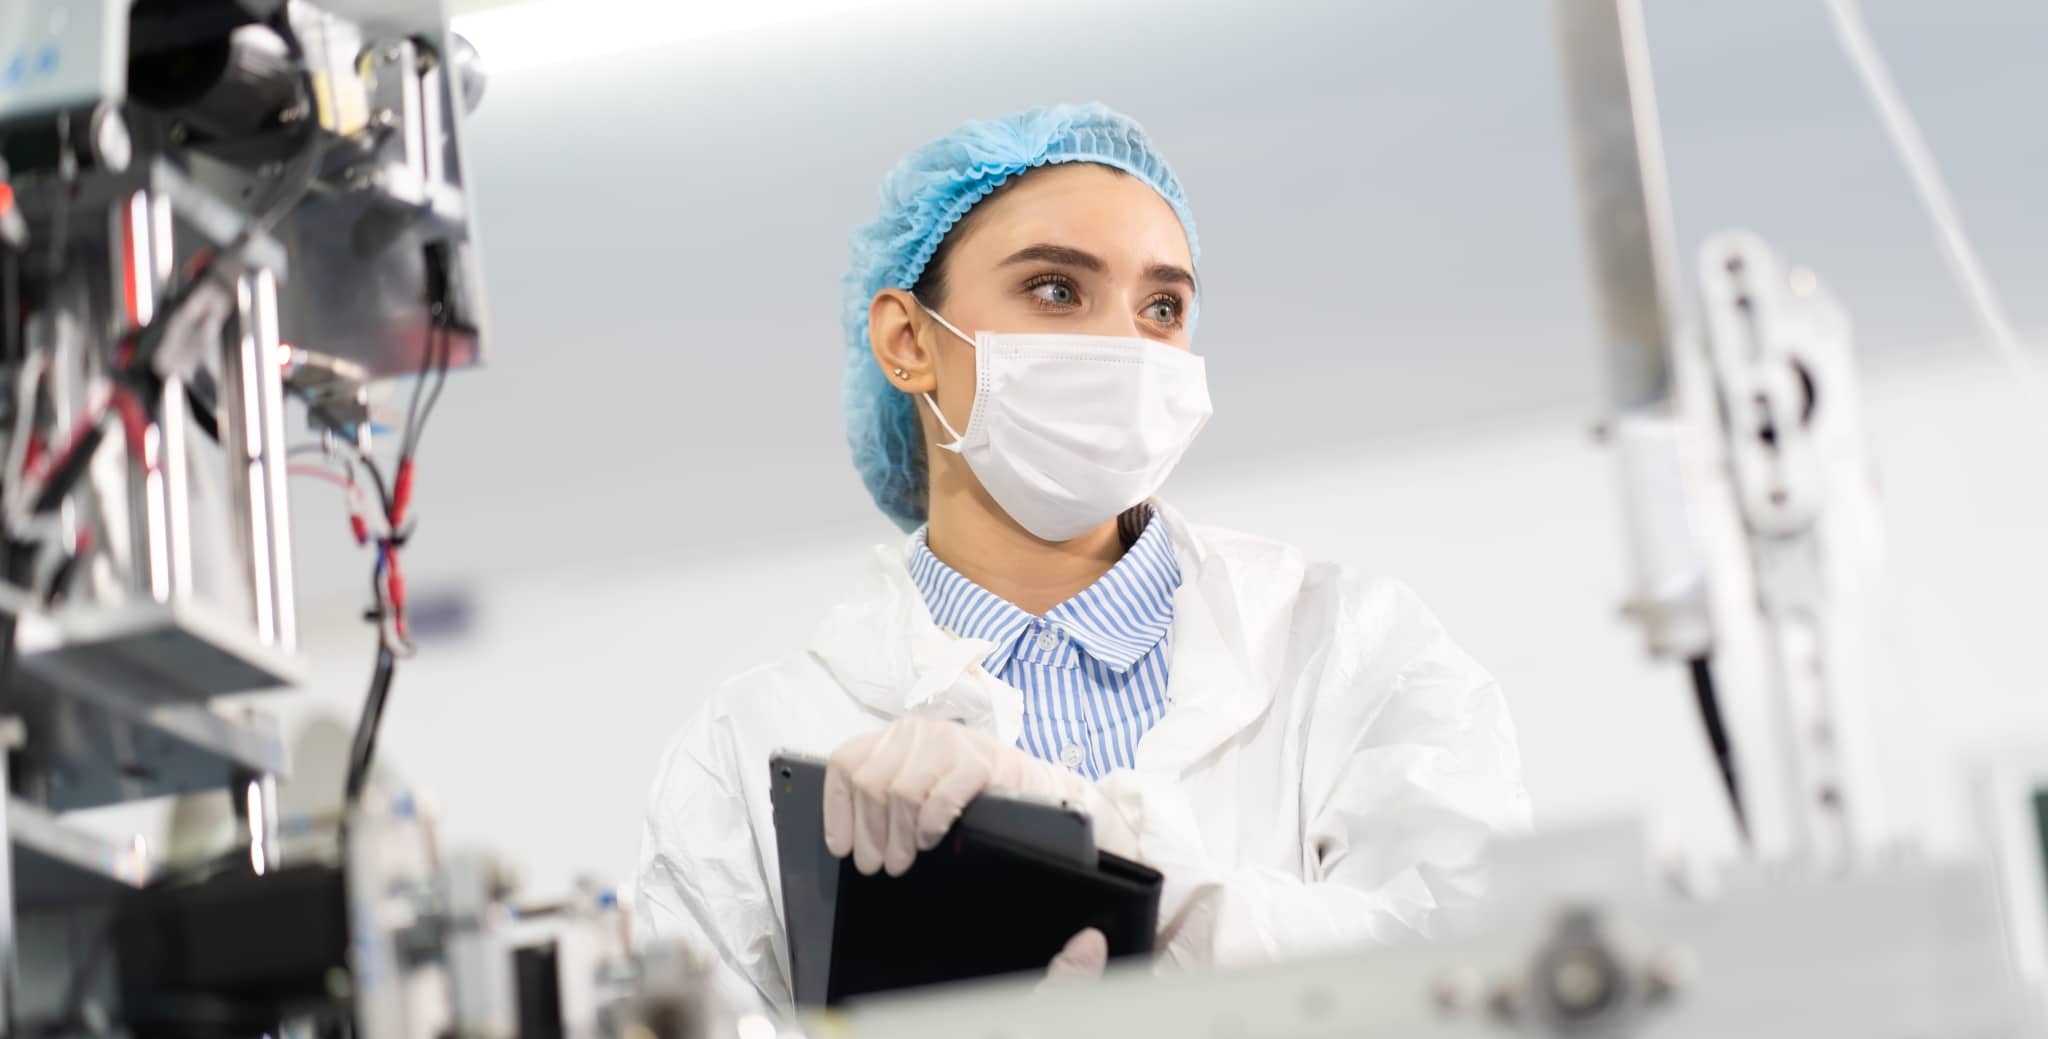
column 221, row 221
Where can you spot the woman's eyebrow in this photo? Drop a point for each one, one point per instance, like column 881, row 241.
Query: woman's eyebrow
column 1170, row 274
column 1068, row 256
column 1064, row 255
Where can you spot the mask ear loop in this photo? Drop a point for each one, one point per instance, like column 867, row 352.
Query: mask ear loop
column 959, row 441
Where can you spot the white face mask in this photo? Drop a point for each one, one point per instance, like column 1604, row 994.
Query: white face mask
column 1068, row 431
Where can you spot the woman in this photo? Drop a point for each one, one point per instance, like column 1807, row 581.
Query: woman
column 1302, row 752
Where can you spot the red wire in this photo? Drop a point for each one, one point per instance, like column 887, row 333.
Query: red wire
column 394, row 577
column 320, row 473
column 357, row 526
column 394, row 590
column 401, row 493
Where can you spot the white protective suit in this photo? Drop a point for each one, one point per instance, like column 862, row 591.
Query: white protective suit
column 1327, row 772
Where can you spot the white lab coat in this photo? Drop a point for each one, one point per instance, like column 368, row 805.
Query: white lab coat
column 1328, row 770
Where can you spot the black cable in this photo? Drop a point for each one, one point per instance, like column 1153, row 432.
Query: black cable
column 412, row 407
column 364, row 744
column 434, row 362
column 364, row 747
column 439, row 330
column 1717, row 738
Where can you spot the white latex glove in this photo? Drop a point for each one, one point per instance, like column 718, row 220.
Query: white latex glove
column 1086, row 954
column 895, row 791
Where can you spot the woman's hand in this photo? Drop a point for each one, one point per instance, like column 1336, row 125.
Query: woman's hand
column 895, row 791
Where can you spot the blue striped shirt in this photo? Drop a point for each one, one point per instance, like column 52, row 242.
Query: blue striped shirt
column 1092, row 670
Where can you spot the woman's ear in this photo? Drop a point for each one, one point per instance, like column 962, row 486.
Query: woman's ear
column 893, row 324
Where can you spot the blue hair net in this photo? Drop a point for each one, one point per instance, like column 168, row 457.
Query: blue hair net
column 922, row 198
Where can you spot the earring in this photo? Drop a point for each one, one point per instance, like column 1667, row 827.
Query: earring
column 901, row 374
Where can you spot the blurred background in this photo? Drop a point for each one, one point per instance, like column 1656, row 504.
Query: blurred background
column 646, row 490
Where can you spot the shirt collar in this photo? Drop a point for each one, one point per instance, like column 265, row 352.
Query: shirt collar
column 964, row 608
column 1116, row 620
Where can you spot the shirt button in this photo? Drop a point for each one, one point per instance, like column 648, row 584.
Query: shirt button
column 1070, row 755
column 1048, row 641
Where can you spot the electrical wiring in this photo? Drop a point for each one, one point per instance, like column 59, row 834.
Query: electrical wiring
column 387, row 577
column 439, row 359
column 359, row 510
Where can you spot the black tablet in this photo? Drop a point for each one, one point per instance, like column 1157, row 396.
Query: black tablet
column 1003, row 891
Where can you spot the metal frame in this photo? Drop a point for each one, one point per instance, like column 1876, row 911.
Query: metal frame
column 1618, row 158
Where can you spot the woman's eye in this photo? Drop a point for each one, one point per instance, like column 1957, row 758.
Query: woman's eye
column 1164, row 311
column 1054, row 292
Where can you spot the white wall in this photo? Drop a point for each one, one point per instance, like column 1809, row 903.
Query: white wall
column 538, row 733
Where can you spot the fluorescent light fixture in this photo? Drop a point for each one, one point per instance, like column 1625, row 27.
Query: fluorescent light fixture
column 546, row 32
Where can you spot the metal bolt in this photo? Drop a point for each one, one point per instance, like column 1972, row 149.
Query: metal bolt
column 393, row 53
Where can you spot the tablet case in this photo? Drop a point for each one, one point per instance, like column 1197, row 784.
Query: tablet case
column 979, row 904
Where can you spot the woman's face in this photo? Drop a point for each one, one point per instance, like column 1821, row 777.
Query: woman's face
column 1074, row 248
column 1063, row 249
